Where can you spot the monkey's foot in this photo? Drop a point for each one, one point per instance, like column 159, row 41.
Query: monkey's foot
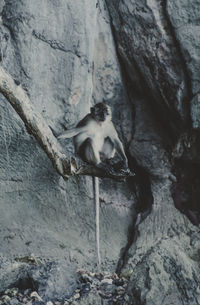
column 116, row 169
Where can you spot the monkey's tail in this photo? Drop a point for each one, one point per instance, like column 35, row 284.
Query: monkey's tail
column 96, row 201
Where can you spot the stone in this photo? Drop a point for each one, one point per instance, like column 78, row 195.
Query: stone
column 35, row 295
column 120, row 290
column 12, row 292
column 14, row 302
column 10, row 272
column 51, row 279
column 86, row 288
column 86, row 278
column 108, row 288
column 5, row 298
column 119, row 282
column 76, row 296
column 105, row 295
column 77, row 290
column 106, row 281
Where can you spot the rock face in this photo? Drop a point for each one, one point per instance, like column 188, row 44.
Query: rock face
column 156, row 55
column 52, row 50
column 142, row 57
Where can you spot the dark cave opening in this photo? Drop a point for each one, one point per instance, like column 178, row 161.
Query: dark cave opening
column 26, row 283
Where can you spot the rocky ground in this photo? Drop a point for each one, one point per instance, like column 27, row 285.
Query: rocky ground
column 103, row 286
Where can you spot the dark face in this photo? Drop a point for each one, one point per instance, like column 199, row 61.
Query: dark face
column 100, row 112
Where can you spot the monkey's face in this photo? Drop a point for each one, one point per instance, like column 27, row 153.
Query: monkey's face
column 101, row 112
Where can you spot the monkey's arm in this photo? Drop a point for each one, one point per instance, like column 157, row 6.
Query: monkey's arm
column 117, row 143
column 120, row 149
column 81, row 127
column 72, row 132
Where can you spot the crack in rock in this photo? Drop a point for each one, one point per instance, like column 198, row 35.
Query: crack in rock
column 58, row 45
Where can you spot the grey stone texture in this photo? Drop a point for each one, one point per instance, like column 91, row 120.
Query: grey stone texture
column 155, row 54
column 143, row 58
column 52, row 48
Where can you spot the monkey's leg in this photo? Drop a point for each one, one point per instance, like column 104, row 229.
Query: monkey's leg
column 108, row 149
column 89, row 153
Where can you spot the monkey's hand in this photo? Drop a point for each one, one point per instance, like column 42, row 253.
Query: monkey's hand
column 116, row 169
column 122, row 166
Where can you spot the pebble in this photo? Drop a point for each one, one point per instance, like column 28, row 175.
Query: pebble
column 80, row 271
column 5, row 298
column 76, row 296
column 34, row 294
column 120, row 289
column 108, row 288
column 86, row 278
column 120, row 293
column 126, row 274
column 25, row 299
column 49, row 303
column 77, row 290
column 115, row 276
column 12, row 292
column 104, row 295
column 85, row 288
column 99, row 276
column 14, row 302
column 118, row 282
column 66, row 303
column 107, row 281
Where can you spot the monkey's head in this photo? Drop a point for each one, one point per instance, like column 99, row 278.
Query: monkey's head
column 101, row 112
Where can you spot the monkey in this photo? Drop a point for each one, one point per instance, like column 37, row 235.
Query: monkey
column 95, row 137
column 96, row 142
